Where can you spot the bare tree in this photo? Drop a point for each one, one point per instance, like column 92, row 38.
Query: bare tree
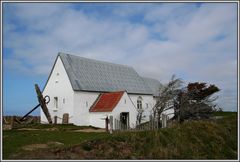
column 140, row 115
column 165, row 100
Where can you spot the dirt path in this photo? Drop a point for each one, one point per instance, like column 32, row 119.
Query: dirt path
column 32, row 147
column 90, row 130
column 28, row 129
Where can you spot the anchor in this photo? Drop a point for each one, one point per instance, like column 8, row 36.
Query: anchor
column 43, row 101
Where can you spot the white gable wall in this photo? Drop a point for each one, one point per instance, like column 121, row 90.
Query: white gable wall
column 59, row 86
column 147, row 104
column 127, row 106
column 82, row 103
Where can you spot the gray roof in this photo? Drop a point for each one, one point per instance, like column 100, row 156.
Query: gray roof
column 93, row 75
column 153, row 84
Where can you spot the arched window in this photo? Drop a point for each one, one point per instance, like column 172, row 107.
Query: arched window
column 139, row 102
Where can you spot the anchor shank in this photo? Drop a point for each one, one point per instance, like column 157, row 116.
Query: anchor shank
column 29, row 112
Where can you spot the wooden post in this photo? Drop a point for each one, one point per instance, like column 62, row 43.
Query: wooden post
column 163, row 124
column 41, row 101
column 106, row 123
column 151, row 122
column 164, row 121
column 117, row 124
column 55, row 119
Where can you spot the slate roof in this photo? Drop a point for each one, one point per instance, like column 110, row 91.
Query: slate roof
column 106, row 102
column 153, row 84
column 99, row 76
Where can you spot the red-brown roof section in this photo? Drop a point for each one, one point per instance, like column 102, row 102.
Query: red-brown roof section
column 106, row 102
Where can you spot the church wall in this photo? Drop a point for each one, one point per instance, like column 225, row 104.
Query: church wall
column 60, row 91
column 78, row 103
column 97, row 119
column 82, row 103
column 147, row 104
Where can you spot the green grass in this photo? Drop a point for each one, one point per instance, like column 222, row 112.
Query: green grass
column 224, row 113
column 206, row 139
column 60, row 127
column 14, row 140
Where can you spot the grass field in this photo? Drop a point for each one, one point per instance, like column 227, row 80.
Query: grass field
column 15, row 140
column 209, row 139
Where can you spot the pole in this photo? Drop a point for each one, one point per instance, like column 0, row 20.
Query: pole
column 29, row 112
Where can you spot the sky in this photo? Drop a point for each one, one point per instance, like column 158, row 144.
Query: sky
column 195, row 41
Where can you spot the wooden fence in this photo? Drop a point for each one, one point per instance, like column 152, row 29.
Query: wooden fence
column 152, row 124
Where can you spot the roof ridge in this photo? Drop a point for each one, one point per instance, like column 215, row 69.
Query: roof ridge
column 91, row 59
column 95, row 75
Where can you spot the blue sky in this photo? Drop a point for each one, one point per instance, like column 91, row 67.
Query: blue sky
column 195, row 41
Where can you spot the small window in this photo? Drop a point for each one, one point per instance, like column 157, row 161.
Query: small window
column 56, row 102
column 56, row 81
column 86, row 104
column 139, row 102
column 146, row 105
column 64, row 100
column 125, row 101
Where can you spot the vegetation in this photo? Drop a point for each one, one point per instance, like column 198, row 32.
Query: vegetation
column 203, row 139
column 195, row 102
column 15, row 140
column 58, row 127
column 167, row 95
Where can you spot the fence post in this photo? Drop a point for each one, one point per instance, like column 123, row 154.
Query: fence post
column 111, row 124
column 55, row 119
column 117, row 125
column 155, row 124
column 148, row 125
column 164, row 121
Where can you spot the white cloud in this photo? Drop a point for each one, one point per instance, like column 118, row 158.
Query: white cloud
column 198, row 43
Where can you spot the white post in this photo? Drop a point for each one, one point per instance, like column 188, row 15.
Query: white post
column 111, row 124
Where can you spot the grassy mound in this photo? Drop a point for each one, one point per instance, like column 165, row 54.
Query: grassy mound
column 206, row 139
column 190, row 140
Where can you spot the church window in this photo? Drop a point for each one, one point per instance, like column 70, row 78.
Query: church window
column 139, row 102
column 56, row 102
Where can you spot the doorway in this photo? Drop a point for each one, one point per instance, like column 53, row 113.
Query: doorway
column 124, row 120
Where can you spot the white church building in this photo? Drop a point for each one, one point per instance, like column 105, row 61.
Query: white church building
column 90, row 90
